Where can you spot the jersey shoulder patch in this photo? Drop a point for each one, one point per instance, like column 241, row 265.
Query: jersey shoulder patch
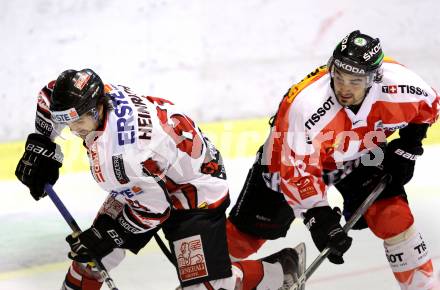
column 305, row 82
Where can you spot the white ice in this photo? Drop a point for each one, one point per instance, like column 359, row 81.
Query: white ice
column 33, row 250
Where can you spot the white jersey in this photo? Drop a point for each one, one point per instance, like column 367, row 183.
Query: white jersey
column 150, row 157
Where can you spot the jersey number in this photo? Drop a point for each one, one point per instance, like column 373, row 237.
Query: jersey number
column 181, row 129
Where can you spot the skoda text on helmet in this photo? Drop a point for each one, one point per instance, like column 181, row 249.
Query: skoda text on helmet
column 358, row 54
column 76, row 93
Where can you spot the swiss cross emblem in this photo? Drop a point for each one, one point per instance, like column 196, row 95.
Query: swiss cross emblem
column 392, row 89
column 190, row 258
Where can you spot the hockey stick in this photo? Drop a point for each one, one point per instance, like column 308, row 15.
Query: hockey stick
column 165, row 249
column 76, row 229
column 354, row 218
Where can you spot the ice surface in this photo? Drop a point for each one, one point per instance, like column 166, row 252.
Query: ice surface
column 33, row 250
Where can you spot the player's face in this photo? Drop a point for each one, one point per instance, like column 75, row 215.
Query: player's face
column 84, row 126
column 349, row 89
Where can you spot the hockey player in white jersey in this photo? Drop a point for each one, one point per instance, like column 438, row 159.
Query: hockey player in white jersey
column 160, row 171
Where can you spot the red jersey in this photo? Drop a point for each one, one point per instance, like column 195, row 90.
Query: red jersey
column 313, row 133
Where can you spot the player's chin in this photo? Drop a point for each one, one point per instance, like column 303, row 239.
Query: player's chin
column 345, row 100
column 82, row 135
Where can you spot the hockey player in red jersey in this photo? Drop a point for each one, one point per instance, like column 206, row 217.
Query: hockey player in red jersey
column 160, row 171
column 331, row 128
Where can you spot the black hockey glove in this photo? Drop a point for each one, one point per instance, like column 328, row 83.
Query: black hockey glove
column 401, row 153
column 366, row 181
column 97, row 241
column 323, row 224
column 39, row 165
column 400, row 159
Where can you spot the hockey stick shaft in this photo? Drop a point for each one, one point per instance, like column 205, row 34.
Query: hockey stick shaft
column 354, row 218
column 76, row 229
column 165, row 249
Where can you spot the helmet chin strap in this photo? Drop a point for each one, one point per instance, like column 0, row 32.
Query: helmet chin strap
column 96, row 114
column 101, row 113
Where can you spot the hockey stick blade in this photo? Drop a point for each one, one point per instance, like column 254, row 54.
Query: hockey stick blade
column 76, row 229
column 354, row 218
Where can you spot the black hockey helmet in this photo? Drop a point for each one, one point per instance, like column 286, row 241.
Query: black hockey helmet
column 358, row 54
column 75, row 93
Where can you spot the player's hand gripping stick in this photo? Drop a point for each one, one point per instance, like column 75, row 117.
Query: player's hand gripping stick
column 355, row 217
column 76, row 229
